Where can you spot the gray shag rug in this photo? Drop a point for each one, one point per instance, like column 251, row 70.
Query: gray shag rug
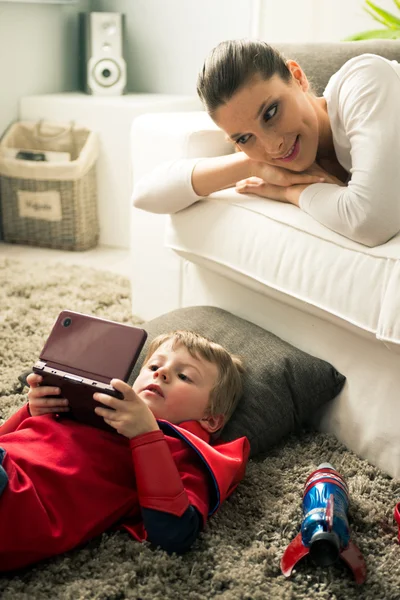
column 238, row 554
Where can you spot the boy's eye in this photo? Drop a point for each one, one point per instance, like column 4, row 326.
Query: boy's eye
column 183, row 377
column 153, row 367
column 270, row 112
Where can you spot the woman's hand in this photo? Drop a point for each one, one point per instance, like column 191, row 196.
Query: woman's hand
column 39, row 401
column 131, row 416
column 319, row 171
column 283, row 191
column 259, row 187
column 281, row 177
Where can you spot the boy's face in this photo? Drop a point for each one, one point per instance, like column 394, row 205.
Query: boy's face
column 176, row 386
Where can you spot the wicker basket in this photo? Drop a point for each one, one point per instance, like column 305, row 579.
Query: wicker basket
column 50, row 204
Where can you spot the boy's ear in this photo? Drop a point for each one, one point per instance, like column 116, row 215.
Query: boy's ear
column 212, row 423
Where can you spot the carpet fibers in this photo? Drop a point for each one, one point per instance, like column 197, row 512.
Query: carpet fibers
column 238, row 554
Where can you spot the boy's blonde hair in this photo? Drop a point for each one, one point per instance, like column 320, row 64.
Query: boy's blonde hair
column 228, row 388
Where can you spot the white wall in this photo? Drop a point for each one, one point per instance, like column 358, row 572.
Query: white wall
column 315, row 20
column 169, row 39
column 38, row 52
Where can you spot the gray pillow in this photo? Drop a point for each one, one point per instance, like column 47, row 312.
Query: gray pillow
column 283, row 386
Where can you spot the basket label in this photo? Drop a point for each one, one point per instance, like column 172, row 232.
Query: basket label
column 40, row 205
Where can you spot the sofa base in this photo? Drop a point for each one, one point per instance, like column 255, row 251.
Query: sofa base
column 365, row 416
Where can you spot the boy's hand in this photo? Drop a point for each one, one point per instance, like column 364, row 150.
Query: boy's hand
column 39, row 404
column 131, row 416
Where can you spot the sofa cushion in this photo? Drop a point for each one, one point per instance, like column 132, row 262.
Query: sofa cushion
column 335, row 54
column 283, row 386
column 282, row 248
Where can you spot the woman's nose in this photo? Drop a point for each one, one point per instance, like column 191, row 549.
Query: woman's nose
column 274, row 144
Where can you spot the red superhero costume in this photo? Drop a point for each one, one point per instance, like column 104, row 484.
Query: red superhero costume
column 68, row 482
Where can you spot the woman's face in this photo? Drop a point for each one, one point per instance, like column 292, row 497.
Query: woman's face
column 274, row 121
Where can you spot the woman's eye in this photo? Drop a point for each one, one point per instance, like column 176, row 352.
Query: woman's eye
column 271, row 112
column 243, row 139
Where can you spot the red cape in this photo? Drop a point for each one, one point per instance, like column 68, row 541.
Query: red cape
column 69, row 482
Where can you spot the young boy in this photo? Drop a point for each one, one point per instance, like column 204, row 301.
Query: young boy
column 63, row 482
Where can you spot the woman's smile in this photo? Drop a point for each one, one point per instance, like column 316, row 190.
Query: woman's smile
column 293, row 152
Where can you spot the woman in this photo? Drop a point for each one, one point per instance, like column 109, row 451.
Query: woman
column 337, row 157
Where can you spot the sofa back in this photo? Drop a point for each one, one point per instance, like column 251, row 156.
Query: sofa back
column 321, row 60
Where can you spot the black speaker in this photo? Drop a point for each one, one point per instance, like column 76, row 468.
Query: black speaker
column 103, row 67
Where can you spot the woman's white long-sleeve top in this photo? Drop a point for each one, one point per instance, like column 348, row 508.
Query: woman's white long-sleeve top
column 363, row 101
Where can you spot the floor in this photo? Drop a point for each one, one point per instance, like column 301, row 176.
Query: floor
column 103, row 258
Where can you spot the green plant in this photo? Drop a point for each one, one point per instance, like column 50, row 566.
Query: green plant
column 391, row 22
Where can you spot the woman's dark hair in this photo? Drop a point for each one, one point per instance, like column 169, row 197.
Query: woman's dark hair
column 231, row 64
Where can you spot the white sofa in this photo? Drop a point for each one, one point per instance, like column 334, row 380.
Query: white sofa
column 275, row 266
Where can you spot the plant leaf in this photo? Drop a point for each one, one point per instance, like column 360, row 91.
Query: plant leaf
column 387, row 34
column 389, row 19
column 397, row 3
column 376, row 18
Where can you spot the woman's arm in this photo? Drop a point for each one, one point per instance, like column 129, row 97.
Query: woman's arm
column 367, row 210
column 167, row 188
column 177, row 184
column 213, row 174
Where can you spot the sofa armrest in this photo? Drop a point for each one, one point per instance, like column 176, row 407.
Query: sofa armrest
column 162, row 137
column 158, row 138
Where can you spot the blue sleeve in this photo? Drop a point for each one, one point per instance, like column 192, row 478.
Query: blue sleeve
column 172, row 533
